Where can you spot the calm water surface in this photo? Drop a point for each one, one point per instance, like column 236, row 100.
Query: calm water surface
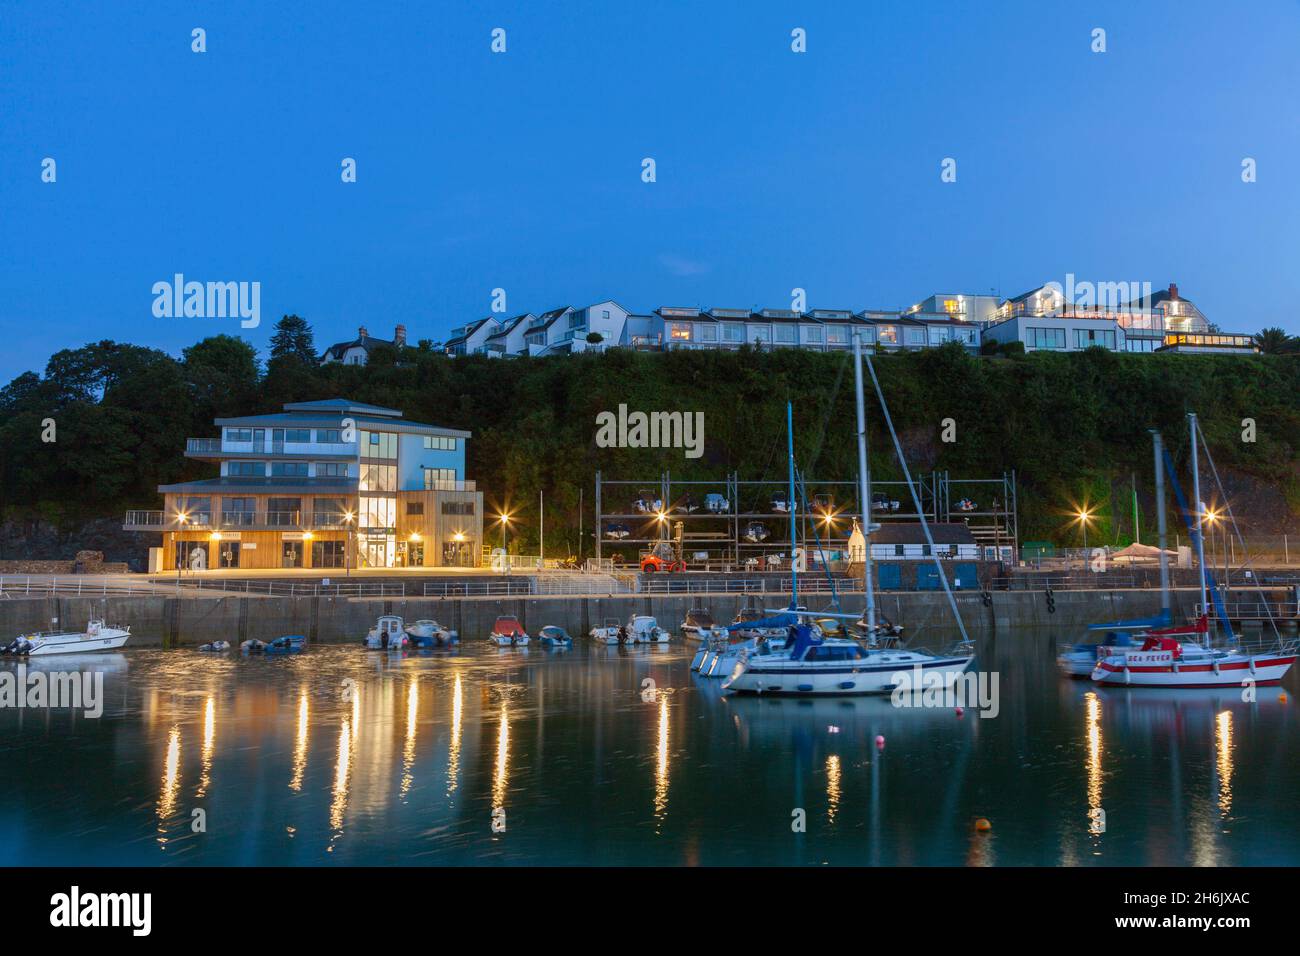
column 346, row 756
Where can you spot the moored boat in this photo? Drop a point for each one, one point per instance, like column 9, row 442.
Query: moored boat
column 97, row 636
column 508, row 632
column 554, row 636
column 608, row 632
column 426, row 634
column 388, row 634
column 287, row 644
column 700, row 626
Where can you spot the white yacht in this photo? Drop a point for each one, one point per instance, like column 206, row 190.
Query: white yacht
column 97, row 636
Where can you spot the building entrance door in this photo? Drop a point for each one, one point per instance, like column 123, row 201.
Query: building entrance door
column 291, row 554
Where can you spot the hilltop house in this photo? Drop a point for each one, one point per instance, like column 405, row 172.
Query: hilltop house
column 357, row 352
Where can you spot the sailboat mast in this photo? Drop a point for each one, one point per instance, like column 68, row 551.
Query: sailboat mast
column 1196, row 503
column 794, row 538
column 864, row 486
column 1157, row 444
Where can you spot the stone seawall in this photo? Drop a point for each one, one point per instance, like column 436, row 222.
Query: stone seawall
column 168, row 621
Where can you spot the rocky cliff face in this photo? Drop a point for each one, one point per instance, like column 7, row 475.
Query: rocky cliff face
column 34, row 539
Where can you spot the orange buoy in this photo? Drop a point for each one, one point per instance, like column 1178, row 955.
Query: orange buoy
column 1281, row 698
column 983, row 825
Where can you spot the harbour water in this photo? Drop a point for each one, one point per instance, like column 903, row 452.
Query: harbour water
column 537, row 756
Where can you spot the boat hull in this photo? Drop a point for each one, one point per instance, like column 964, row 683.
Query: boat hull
column 79, row 644
column 788, row 678
column 1231, row 671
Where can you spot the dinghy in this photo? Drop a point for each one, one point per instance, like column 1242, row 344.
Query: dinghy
column 427, row 634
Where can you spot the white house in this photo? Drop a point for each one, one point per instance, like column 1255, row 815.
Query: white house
column 471, row 338
column 357, row 352
column 508, row 339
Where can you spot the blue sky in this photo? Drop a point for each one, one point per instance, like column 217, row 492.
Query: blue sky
column 522, row 170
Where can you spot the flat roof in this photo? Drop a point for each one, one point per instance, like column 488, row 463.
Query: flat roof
column 264, row 486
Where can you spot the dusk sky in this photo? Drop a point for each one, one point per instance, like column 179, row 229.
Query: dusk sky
column 522, row 170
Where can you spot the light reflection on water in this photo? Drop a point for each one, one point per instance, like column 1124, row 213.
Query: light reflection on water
column 409, row 762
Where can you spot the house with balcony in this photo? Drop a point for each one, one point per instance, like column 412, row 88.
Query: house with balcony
column 471, row 338
column 508, row 339
column 323, row 484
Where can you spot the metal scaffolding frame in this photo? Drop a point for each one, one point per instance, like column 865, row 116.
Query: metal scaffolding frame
column 722, row 535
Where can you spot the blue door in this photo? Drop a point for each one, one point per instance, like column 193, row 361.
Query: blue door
column 890, row 577
column 927, row 579
column 968, row 574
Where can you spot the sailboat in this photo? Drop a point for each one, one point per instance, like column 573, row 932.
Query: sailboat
column 1080, row 659
column 1167, row 657
column 811, row 664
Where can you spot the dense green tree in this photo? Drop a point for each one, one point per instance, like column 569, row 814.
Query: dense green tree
column 1275, row 341
column 293, row 337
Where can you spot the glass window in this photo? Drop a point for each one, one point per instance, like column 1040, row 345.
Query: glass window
column 1046, row 338
column 914, row 336
column 888, row 334
column 414, row 508
column 283, row 512
column 458, row 507
column 439, row 478
column 329, row 512
column 439, row 442
column 733, row 332
column 288, row 469
column 378, row 445
column 680, row 331
column 813, row 334
column 297, row 434
column 329, row 436
column 939, row 334
column 1085, row 338
column 784, row 333
column 760, row 333
column 378, row 477
column 708, row 332
column 239, row 434
column 837, row 335
column 246, row 469
column 331, row 469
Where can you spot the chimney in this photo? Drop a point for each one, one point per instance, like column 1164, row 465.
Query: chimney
column 399, row 336
column 1173, row 290
column 363, row 332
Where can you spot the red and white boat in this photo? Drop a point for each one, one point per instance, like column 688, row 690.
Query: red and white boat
column 1175, row 657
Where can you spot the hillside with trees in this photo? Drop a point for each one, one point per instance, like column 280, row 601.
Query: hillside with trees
column 1072, row 426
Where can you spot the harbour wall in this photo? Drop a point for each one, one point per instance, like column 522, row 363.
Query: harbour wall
column 159, row 621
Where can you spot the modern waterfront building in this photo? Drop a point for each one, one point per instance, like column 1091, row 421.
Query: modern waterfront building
column 325, row 484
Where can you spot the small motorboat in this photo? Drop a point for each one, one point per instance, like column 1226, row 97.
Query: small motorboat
column 252, row 646
column 426, row 634
column 755, row 532
column 508, row 632
column 97, row 636
column 609, row 632
column 553, row 636
column 781, row 503
column 751, row 623
column 215, row 647
column 644, row 629
column 687, row 505
column 966, row 504
column 1080, row 658
column 699, row 625
column 716, row 504
column 288, row 644
column 388, row 634
column 881, row 502
column 617, row 531
column 647, row 503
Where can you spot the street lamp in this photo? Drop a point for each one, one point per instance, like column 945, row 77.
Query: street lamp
column 504, row 519
column 1084, row 516
column 347, row 548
